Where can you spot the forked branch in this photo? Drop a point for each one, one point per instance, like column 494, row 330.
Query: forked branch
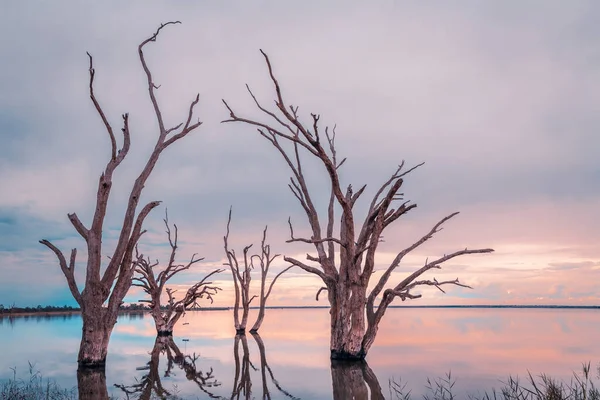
column 67, row 270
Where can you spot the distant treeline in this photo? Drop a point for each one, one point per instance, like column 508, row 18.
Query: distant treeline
column 18, row 310
column 4, row 310
column 58, row 309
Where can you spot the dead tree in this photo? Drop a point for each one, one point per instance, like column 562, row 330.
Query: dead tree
column 165, row 317
column 264, row 261
column 242, row 277
column 112, row 285
column 346, row 277
column 241, row 282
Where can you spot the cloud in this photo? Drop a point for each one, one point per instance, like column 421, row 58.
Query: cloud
column 501, row 103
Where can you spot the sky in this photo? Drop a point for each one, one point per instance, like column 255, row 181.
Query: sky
column 501, row 100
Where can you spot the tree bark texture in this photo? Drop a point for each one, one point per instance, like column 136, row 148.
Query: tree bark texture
column 96, row 330
column 344, row 257
column 103, row 292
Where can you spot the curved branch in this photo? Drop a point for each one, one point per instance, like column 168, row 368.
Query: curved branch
column 151, row 85
column 68, row 271
column 275, row 280
column 308, row 268
column 311, row 241
column 79, row 227
column 319, row 292
column 113, row 141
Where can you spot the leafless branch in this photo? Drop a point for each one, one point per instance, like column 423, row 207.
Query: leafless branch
column 319, row 292
column 68, row 271
column 311, row 241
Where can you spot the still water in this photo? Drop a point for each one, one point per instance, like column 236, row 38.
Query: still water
column 481, row 348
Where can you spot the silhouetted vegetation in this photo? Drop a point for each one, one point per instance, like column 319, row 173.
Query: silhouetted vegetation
column 63, row 309
column 34, row 388
column 542, row 387
column 38, row 309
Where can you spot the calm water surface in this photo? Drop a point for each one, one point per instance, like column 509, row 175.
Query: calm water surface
column 290, row 359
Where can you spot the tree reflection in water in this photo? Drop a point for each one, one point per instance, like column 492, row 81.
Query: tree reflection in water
column 91, row 384
column 264, row 367
column 350, row 380
column 151, row 382
column 354, row 380
column 242, row 384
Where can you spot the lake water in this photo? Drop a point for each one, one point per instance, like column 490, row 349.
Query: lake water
column 290, row 359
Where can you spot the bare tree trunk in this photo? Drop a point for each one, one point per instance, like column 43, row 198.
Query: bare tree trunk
column 241, row 328
column 162, row 326
column 241, row 282
column 96, row 330
column 347, row 322
column 261, row 311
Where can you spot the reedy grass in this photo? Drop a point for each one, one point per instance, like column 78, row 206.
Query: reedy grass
column 542, row 387
column 34, row 388
column 38, row 388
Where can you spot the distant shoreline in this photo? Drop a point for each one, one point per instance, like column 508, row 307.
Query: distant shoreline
column 36, row 313
column 53, row 313
column 566, row 307
column 7, row 314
